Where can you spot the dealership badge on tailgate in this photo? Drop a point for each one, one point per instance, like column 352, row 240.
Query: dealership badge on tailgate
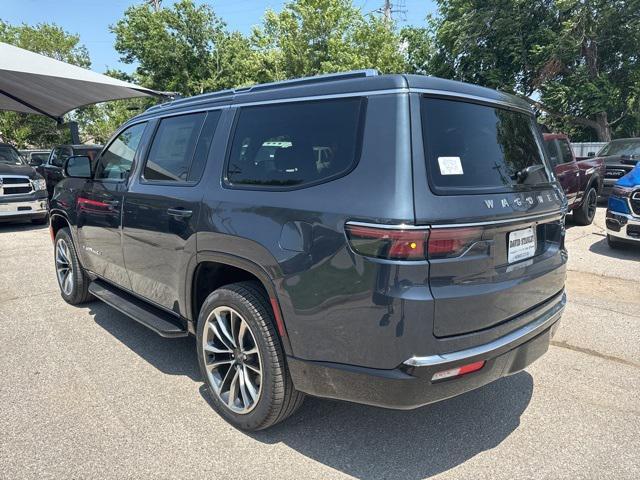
column 522, row 244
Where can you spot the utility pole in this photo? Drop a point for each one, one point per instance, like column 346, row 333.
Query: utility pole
column 387, row 10
column 390, row 8
column 156, row 4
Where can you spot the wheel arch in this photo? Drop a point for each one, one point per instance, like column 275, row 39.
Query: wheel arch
column 217, row 269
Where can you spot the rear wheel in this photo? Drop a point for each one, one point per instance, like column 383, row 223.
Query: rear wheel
column 241, row 358
column 72, row 279
column 587, row 211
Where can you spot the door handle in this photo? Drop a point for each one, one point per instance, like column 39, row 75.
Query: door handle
column 179, row 212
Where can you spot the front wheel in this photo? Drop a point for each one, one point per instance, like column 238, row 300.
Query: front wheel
column 72, row 279
column 241, row 358
column 587, row 211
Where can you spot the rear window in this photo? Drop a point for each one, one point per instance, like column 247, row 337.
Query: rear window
column 476, row 148
column 295, row 144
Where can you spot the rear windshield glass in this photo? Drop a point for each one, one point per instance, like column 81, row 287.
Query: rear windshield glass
column 621, row 147
column 471, row 148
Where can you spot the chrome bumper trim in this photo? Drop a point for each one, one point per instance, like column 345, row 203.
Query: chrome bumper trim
column 631, row 220
column 34, row 206
column 540, row 324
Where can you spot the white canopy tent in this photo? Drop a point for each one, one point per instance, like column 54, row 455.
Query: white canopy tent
column 33, row 83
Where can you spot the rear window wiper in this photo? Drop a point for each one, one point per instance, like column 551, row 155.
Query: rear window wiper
column 521, row 175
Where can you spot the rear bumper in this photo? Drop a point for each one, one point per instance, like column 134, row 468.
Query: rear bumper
column 23, row 209
column 410, row 386
column 623, row 226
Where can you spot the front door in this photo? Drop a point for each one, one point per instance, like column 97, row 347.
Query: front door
column 162, row 205
column 566, row 169
column 52, row 170
column 99, row 208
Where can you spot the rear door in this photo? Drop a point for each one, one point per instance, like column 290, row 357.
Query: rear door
column 482, row 183
column 162, row 205
column 99, row 207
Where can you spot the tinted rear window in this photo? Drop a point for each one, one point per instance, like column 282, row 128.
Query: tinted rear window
column 295, row 144
column 471, row 148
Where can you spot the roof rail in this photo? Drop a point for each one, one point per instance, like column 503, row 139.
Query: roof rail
column 306, row 80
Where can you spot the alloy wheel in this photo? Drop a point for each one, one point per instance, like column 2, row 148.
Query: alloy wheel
column 592, row 203
column 232, row 360
column 64, row 267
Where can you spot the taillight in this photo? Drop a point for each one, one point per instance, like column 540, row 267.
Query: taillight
column 392, row 244
column 411, row 244
column 452, row 242
column 458, row 371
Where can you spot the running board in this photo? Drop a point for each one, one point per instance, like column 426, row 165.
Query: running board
column 151, row 317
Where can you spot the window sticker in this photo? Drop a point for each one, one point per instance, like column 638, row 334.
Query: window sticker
column 450, row 166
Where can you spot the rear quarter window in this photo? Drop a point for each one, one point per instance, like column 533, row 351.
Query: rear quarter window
column 293, row 145
column 474, row 148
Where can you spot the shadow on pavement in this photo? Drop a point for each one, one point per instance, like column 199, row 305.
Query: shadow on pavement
column 372, row 443
column 173, row 356
column 362, row 441
column 20, row 226
column 624, row 252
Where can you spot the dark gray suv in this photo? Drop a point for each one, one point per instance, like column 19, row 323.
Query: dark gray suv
column 392, row 240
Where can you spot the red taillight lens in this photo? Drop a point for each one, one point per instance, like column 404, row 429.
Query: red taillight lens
column 451, row 242
column 386, row 243
column 458, row 371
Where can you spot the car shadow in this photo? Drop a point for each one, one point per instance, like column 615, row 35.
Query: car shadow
column 372, row 443
column 624, row 252
column 173, row 356
column 20, row 226
column 362, row 441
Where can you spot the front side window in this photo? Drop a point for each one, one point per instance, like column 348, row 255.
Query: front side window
column 621, row 147
column 472, row 148
column 565, row 151
column 116, row 161
column 289, row 145
column 173, row 147
column 10, row 156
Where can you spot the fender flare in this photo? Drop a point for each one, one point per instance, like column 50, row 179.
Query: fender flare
column 244, row 264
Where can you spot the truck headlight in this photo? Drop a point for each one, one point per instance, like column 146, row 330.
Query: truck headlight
column 39, row 184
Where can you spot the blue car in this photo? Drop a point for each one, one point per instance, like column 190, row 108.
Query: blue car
column 623, row 213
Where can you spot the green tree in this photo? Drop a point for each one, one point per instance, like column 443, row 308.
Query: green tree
column 310, row 37
column 25, row 130
column 183, row 48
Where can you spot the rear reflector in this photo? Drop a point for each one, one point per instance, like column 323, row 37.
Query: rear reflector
column 386, row 243
column 458, row 371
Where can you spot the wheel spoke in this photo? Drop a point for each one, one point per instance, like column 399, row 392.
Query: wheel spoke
column 218, row 363
column 255, row 368
column 241, row 333
column 233, row 389
column 243, row 389
column 208, row 347
column 247, row 380
column 223, row 340
column 225, row 330
column 67, row 282
column 251, row 351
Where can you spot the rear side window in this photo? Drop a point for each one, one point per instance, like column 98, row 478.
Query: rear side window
column 472, row 148
column 565, row 151
column 172, row 148
column 295, row 144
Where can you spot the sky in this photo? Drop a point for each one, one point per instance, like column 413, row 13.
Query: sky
column 91, row 18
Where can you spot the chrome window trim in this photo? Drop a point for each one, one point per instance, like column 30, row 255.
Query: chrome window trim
column 538, row 325
column 397, row 226
column 551, row 216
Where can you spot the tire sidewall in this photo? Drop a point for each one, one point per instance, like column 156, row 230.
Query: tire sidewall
column 78, row 277
column 262, row 409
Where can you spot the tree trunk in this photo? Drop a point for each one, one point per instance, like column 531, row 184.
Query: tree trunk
column 603, row 129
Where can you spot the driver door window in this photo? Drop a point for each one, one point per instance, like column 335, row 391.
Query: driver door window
column 116, row 161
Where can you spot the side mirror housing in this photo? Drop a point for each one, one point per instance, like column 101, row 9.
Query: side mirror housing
column 78, row 166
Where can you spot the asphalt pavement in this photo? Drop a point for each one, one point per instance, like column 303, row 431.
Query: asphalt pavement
column 87, row 393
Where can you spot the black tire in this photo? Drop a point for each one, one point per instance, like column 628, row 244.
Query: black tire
column 613, row 242
column 585, row 214
column 277, row 399
column 79, row 291
column 40, row 221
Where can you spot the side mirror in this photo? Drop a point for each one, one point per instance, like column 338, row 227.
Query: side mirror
column 35, row 162
column 78, row 166
column 591, row 154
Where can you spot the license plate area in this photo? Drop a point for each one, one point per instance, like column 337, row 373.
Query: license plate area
column 521, row 244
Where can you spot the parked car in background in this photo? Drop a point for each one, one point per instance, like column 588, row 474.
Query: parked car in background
column 35, row 158
column 581, row 180
column 620, row 156
column 392, row 240
column 51, row 170
column 23, row 193
column 623, row 213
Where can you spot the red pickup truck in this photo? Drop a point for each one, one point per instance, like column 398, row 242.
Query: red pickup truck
column 581, row 179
